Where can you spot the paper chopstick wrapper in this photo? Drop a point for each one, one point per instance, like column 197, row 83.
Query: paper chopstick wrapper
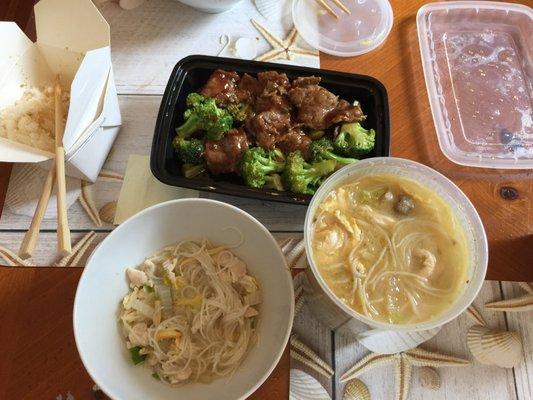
column 141, row 189
column 72, row 41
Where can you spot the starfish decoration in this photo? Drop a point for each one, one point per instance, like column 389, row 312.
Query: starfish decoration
column 285, row 49
column 403, row 365
column 524, row 303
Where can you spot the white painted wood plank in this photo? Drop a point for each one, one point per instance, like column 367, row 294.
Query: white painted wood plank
column 523, row 324
column 318, row 337
column 148, row 41
column 135, row 137
column 472, row 382
column 45, row 253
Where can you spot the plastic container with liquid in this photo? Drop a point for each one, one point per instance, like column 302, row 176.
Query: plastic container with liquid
column 477, row 59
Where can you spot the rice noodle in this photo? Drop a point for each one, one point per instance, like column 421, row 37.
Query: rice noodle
column 195, row 324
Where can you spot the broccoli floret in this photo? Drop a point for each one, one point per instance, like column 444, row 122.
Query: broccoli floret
column 194, row 99
column 239, row 111
column 204, row 115
column 302, row 177
column 273, row 181
column 190, row 151
column 354, row 140
column 322, row 149
column 257, row 163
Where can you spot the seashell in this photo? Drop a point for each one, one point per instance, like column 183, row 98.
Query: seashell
column 527, row 286
column 273, row 10
column 304, row 387
column 245, row 48
column 500, row 348
column 356, row 390
column 285, row 245
column 130, row 4
column 25, row 187
column 12, row 259
column 310, row 354
column 429, row 378
column 390, row 342
column 474, row 314
column 78, row 250
column 519, row 304
column 299, row 305
column 87, row 202
column 296, row 253
column 107, row 212
column 309, row 363
column 110, row 176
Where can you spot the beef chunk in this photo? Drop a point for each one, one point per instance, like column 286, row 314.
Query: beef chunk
column 294, row 139
column 223, row 156
column 304, row 81
column 222, row 86
column 318, row 108
column 345, row 112
column 248, row 89
column 274, row 82
column 268, row 126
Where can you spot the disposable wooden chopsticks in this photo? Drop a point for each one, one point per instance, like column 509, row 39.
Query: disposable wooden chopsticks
column 63, row 231
column 330, row 10
column 32, row 236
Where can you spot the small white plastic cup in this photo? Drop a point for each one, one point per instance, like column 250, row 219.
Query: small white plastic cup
column 379, row 336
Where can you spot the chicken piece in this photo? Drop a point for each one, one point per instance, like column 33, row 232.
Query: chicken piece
column 427, row 261
column 222, row 86
column 237, row 270
column 267, row 127
column 248, row 283
column 250, row 312
column 138, row 335
column 377, row 217
column 253, row 298
column 137, row 278
column 223, row 156
column 294, row 139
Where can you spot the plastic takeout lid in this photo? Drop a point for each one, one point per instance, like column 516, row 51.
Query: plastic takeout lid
column 478, row 68
column 363, row 29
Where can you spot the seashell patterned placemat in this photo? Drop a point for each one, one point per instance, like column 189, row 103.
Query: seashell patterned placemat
column 154, row 25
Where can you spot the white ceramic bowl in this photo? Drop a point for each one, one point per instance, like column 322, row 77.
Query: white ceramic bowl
column 103, row 284
column 211, row 6
column 463, row 209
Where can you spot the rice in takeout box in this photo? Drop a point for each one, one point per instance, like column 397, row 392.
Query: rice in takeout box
column 72, row 42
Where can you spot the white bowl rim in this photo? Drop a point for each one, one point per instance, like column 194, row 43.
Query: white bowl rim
column 107, row 390
column 432, row 323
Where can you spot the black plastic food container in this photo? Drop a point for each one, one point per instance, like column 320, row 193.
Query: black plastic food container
column 192, row 72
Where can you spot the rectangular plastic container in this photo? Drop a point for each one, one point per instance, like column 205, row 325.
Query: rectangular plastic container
column 477, row 59
column 192, row 72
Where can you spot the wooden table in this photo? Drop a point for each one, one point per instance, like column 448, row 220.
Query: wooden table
column 46, row 362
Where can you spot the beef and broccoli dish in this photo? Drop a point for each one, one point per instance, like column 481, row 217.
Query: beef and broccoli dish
column 273, row 132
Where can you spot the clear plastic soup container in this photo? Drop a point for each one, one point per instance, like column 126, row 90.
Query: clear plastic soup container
column 477, row 59
column 363, row 29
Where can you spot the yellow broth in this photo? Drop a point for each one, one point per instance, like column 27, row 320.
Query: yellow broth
column 390, row 248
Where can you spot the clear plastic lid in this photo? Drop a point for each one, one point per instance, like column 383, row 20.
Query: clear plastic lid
column 477, row 59
column 358, row 28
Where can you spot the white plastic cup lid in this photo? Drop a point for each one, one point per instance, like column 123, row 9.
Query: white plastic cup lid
column 363, row 29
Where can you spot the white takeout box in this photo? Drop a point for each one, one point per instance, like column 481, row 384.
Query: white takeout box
column 72, row 41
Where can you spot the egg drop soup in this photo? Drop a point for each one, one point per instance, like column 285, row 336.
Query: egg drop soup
column 390, row 248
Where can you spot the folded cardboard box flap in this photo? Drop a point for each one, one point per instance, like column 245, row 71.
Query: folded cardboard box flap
column 72, row 42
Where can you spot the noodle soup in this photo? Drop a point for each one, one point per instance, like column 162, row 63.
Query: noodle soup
column 191, row 313
column 390, row 248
